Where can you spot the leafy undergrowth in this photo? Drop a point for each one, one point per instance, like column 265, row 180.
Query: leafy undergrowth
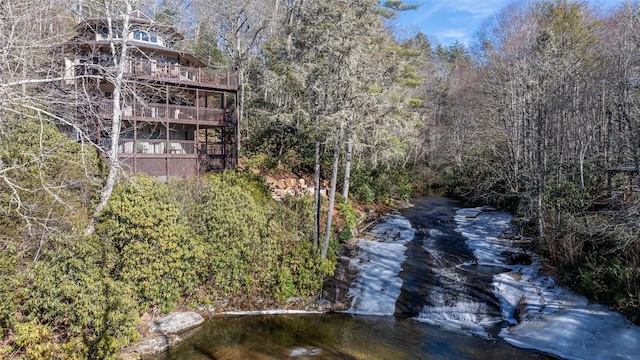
column 218, row 241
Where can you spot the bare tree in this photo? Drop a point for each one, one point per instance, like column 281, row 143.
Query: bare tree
column 239, row 28
column 40, row 178
column 117, row 16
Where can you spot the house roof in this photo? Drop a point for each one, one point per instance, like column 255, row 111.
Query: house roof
column 138, row 19
column 147, row 48
column 169, row 32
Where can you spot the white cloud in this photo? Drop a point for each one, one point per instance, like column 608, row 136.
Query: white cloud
column 478, row 9
column 450, row 35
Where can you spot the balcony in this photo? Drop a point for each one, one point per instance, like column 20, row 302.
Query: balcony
column 180, row 114
column 161, row 147
column 167, row 72
column 168, row 158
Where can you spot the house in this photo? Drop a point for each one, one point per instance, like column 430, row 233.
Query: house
column 178, row 116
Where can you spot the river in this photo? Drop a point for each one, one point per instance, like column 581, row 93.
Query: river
column 434, row 281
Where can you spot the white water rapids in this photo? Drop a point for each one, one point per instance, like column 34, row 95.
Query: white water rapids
column 379, row 261
column 553, row 319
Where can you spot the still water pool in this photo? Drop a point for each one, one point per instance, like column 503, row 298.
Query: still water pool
column 337, row 336
column 410, row 271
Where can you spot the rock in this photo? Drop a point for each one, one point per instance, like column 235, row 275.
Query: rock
column 270, row 181
column 474, row 214
column 176, row 323
column 518, row 258
column 291, row 182
column 521, row 310
column 154, row 345
column 207, row 308
column 302, row 182
column 281, row 184
column 306, row 351
column 163, row 334
column 324, row 305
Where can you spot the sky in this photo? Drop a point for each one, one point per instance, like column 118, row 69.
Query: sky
column 445, row 21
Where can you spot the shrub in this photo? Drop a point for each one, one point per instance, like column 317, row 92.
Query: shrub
column 154, row 248
column 51, row 182
column 71, row 290
column 350, row 217
column 8, row 286
column 369, row 185
column 239, row 248
column 253, row 246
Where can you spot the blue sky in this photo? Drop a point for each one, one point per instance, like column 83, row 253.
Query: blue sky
column 445, row 21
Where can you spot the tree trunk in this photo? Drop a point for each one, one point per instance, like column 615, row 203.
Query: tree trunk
column 347, row 166
column 116, row 118
column 332, row 197
column 240, row 104
column 316, row 208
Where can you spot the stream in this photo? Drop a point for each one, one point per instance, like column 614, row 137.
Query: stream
column 434, row 281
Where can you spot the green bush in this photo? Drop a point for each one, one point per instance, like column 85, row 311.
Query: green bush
column 156, row 245
column 253, row 247
column 155, row 250
column 51, row 180
column 369, row 185
column 71, row 290
column 8, row 287
column 277, row 145
column 350, row 217
column 296, row 216
column 239, row 251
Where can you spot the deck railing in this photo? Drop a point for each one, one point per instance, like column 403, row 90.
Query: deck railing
column 185, row 113
column 164, row 71
column 129, row 146
column 153, row 146
column 167, row 71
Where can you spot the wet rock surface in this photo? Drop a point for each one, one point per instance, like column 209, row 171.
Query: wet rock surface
column 176, row 323
column 444, row 283
column 163, row 334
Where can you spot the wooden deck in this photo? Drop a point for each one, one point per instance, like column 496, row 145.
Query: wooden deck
column 176, row 114
column 167, row 73
column 180, row 74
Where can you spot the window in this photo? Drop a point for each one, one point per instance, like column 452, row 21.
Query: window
column 144, row 36
column 104, row 32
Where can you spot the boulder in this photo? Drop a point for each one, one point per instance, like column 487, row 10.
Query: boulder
column 176, row 323
column 281, row 184
column 163, row 334
column 291, row 183
column 271, row 181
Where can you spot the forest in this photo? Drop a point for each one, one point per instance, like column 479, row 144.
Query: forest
column 539, row 116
